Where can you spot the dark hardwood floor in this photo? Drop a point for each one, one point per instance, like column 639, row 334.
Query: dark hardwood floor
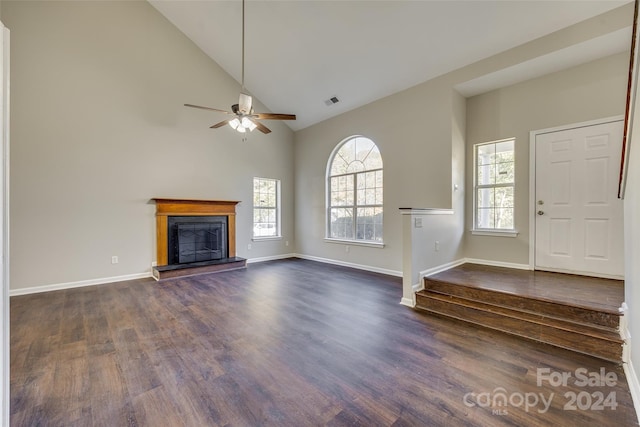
column 284, row 343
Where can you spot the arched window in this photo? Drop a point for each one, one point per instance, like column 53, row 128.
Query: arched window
column 354, row 191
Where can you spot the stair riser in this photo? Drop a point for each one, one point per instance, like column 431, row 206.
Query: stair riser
column 575, row 314
column 570, row 340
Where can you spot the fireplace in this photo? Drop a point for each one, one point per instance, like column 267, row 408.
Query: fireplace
column 194, row 237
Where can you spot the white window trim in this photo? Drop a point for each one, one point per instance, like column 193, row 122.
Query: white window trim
column 495, row 233
column 498, row 232
column 278, row 209
column 328, row 176
column 348, row 242
column 265, row 238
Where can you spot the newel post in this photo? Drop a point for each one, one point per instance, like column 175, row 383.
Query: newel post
column 409, row 271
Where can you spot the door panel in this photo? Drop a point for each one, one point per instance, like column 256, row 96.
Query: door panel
column 561, row 177
column 596, row 238
column 560, row 236
column 578, row 227
column 597, row 171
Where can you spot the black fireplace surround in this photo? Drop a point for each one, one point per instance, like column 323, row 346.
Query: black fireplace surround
column 196, row 239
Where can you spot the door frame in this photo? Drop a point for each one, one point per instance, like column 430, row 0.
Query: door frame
column 532, row 174
column 4, row 222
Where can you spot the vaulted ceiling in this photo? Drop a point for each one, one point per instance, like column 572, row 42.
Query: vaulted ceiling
column 301, row 53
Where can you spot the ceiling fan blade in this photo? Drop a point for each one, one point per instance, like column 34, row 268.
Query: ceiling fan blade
column 206, row 108
column 245, row 103
column 262, row 128
column 274, row 116
column 219, row 125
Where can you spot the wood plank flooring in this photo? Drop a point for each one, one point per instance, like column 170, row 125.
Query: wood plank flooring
column 284, row 343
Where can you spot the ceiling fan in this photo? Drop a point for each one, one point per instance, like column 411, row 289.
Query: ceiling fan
column 244, row 117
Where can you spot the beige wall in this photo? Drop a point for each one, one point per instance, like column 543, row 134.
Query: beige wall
column 98, row 128
column 632, row 247
column 445, row 231
column 418, row 132
column 413, row 134
column 587, row 92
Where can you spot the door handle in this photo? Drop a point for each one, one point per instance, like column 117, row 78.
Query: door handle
column 540, row 213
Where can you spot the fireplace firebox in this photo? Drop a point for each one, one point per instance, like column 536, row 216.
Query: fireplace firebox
column 194, row 239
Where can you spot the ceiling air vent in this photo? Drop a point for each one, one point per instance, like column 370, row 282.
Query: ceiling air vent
column 333, row 100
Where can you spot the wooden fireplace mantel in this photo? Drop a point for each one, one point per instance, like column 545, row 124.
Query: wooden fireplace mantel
column 190, row 207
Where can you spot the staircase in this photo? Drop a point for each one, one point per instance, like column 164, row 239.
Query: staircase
column 588, row 330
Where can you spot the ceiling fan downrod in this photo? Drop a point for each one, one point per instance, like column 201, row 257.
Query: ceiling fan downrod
column 245, row 119
column 243, row 89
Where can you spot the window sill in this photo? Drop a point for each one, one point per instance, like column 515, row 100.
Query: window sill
column 355, row 243
column 426, row 211
column 263, row 239
column 497, row 233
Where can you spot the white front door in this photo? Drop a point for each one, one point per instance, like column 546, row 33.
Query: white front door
column 579, row 223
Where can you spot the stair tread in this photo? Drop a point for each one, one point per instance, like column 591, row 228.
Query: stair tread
column 595, row 331
column 606, row 295
column 530, row 297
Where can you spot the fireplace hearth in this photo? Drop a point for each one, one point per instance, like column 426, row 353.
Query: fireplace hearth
column 195, row 237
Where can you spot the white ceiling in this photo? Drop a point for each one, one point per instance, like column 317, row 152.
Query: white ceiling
column 300, row 53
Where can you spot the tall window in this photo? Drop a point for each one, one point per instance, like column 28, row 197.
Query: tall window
column 266, row 208
column 494, row 185
column 354, row 199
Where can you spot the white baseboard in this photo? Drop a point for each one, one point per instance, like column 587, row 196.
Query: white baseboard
column 270, row 258
column 624, row 330
column 408, row 302
column 79, row 284
column 428, row 272
column 441, row 268
column 105, row 280
column 351, row 265
column 497, row 263
column 434, row 270
column 634, row 385
column 396, row 273
column 114, row 279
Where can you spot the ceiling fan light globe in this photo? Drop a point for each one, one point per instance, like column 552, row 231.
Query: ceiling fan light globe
column 234, row 124
column 248, row 124
column 241, row 129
